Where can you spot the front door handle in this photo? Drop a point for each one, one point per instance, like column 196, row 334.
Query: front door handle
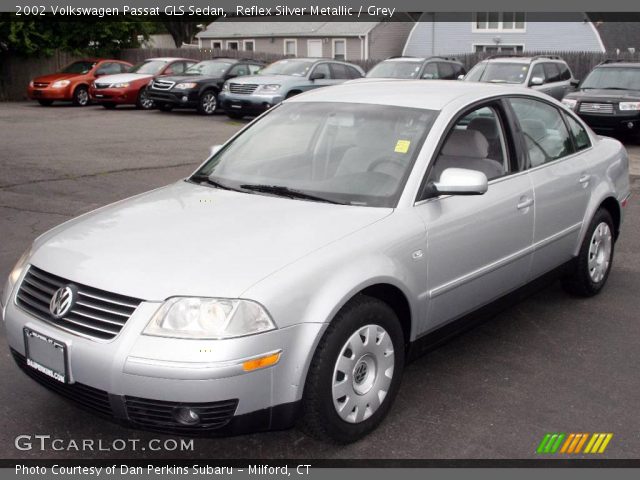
column 584, row 179
column 525, row 202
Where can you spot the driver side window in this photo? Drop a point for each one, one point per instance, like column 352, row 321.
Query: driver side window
column 476, row 142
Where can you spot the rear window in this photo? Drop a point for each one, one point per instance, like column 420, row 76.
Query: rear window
column 78, row 67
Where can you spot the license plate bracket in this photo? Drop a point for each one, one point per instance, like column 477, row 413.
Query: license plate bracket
column 46, row 355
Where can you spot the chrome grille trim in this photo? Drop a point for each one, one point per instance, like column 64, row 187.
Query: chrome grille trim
column 242, row 88
column 592, row 107
column 96, row 314
column 162, row 85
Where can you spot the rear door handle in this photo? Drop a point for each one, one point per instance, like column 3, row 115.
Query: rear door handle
column 525, row 202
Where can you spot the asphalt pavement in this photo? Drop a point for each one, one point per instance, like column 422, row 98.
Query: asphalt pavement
column 552, row 363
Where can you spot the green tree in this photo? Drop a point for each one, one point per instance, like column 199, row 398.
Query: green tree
column 185, row 32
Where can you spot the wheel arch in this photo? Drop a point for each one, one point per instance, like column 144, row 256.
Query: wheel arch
column 396, row 299
column 611, row 205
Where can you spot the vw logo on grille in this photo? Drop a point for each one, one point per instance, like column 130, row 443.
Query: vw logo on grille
column 62, row 301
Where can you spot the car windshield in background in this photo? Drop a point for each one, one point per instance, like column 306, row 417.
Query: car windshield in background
column 613, row 78
column 298, row 68
column 149, row 68
column 356, row 154
column 395, row 70
column 78, row 67
column 214, row 69
column 498, row 72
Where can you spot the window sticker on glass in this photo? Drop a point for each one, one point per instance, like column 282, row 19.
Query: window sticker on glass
column 402, row 146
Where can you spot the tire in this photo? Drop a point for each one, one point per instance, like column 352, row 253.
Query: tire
column 143, row 102
column 235, row 116
column 81, row 96
column 109, row 105
column 208, row 103
column 331, row 367
column 165, row 107
column 45, row 103
column 589, row 272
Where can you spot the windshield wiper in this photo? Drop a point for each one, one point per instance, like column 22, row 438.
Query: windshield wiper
column 282, row 191
column 201, row 178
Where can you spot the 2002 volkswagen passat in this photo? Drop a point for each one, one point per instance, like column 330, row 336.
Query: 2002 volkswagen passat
column 291, row 274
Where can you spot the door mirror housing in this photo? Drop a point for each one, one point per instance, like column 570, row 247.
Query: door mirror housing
column 574, row 82
column 460, row 77
column 459, row 181
column 316, row 76
column 535, row 81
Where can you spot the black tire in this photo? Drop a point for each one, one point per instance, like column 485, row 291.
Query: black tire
column 579, row 280
column 81, row 96
column 320, row 418
column 165, row 107
column 208, row 103
column 109, row 105
column 143, row 102
column 235, row 116
column 45, row 103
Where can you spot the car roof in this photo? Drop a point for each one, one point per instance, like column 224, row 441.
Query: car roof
column 619, row 64
column 165, row 59
column 405, row 59
column 431, row 95
column 520, row 59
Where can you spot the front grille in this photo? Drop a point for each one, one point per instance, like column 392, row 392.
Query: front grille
column 40, row 84
column 159, row 415
column 100, row 86
column 590, row 107
column 95, row 314
column 89, row 397
column 242, row 88
column 162, row 84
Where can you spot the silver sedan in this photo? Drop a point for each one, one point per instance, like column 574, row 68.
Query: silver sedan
column 293, row 274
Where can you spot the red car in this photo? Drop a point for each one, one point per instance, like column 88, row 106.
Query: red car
column 72, row 83
column 131, row 87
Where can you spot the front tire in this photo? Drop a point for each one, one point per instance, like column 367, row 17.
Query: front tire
column 589, row 273
column 81, row 96
column 208, row 103
column 144, row 102
column 355, row 372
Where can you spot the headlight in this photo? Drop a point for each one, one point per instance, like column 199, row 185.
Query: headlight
column 185, row 86
column 570, row 103
column 210, row 318
column 273, row 87
column 60, row 84
column 625, row 106
column 31, row 83
column 14, row 276
column 225, row 87
column 120, row 85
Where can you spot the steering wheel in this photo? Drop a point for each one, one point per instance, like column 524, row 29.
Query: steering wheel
column 382, row 161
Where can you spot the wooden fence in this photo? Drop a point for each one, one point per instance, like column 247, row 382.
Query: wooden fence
column 16, row 72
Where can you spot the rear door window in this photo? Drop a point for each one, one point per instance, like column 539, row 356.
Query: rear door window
column 446, row 71
column 339, row 71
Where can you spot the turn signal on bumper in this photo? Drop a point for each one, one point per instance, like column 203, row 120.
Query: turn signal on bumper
column 261, row 362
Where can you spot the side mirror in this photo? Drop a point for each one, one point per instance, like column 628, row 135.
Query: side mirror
column 317, row 76
column 427, row 76
column 460, row 181
column 574, row 82
column 230, row 75
column 99, row 73
column 535, row 81
column 214, row 149
column 460, row 77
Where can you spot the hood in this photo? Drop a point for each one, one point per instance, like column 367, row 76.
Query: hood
column 52, row 77
column 604, row 94
column 122, row 78
column 192, row 78
column 186, row 239
column 267, row 79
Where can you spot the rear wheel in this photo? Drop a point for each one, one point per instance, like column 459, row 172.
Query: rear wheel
column 81, row 96
column 109, row 105
column 208, row 103
column 45, row 103
column 355, row 372
column 590, row 271
column 144, row 102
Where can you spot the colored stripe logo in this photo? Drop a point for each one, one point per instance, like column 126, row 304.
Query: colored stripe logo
column 573, row 443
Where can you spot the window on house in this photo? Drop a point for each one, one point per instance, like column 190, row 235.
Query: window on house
column 249, row 45
column 498, row 21
column 233, row 46
column 499, row 48
column 291, row 47
column 216, row 45
column 340, row 49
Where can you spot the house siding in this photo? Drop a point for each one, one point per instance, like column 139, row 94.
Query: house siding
column 387, row 39
column 434, row 37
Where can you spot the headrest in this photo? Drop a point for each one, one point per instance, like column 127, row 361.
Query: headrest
column 466, row 143
column 534, row 127
column 486, row 126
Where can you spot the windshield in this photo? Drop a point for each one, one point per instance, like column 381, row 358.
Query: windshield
column 298, row 68
column 215, row 69
column 395, row 70
column 614, row 78
column 356, row 154
column 150, row 68
column 78, row 67
column 498, row 72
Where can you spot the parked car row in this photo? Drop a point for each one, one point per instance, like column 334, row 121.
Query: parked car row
column 608, row 99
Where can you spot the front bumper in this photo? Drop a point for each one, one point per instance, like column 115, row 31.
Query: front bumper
column 48, row 93
column 176, row 98
column 612, row 123
column 119, row 96
column 248, row 104
column 142, row 380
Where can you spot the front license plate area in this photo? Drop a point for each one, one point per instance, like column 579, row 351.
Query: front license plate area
column 46, row 355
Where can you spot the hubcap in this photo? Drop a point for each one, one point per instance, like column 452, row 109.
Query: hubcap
column 83, row 97
column 600, row 252
column 145, row 101
column 209, row 103
column 362, row 374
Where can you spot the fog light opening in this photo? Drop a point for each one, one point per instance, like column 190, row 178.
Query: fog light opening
column 186, row 416
column 629, row 125
column 185, row 98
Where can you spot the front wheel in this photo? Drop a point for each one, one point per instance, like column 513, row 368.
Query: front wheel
column 144, row 102
column 81, row 96
column 590, row 270
column 208, row 104
column 355, row 372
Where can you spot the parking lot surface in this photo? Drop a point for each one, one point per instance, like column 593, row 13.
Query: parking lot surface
column 551, row 363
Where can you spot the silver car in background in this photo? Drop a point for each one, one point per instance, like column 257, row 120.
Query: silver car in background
column 296, row 270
